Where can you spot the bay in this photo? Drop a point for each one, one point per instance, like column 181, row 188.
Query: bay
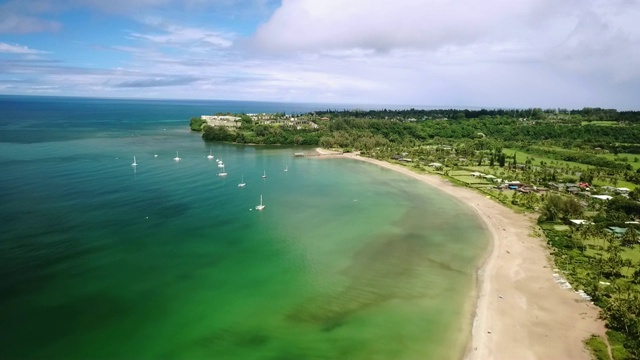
column 99, row 259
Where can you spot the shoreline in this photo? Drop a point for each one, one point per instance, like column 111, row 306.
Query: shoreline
column 520, row 312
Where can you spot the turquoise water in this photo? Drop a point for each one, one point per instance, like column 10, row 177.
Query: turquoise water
column 99, row 259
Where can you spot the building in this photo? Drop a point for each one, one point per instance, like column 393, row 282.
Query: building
column 602, row 197
column 580, row 222
column 222, row 120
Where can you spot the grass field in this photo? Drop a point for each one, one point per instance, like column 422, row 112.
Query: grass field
column 600, row 123
column 630, row 158
column 521, row 157
column 561, row 227
column 471, row 179
column 628, row 253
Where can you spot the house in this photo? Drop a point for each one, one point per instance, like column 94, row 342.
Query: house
column 602, row 197
column 435, row 165
column 221, row 120
column 623, row 190
column 573, row 190
column 580, row 222
column 475, row 174
column 616, row 230
column 556, row 186
column 515, row 184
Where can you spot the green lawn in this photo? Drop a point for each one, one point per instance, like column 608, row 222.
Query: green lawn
column 459, row 173
column 600, row 123
column 630, row 158
column 521, row 157
column 471, row 179
column 627, row 253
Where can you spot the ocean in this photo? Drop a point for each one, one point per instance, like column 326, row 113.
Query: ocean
column 101, row 259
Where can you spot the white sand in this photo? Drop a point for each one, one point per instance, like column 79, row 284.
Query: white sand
column 521, row 312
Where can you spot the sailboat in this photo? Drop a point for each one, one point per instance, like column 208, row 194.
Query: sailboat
column 220, row 163
column 222, row 173
column 135, row 163
column 264, row 176
column 210, row 156
column 177, row 158
column 286, row 168
column 260, row 207
column 242, row 184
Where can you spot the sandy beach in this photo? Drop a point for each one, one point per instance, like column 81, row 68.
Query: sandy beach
column 521, row 312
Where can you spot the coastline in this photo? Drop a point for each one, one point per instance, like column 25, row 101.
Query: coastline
column 520, row 312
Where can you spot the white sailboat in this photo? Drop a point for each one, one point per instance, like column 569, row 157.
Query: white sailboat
column 286, row 168
column 264, row 176
column 220, row 163
column 177, row 158
column 222, row 173
column 210, row 156
column 135, row 163
column 242, row 184
column 260, row 207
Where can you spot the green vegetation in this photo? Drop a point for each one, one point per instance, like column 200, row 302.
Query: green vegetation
column 616, row 341
column 602, row 262
column 597, row 347
column 551, row 162
column 196, row 124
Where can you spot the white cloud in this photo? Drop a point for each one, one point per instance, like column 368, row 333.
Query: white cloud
column 170, row 34
column 18, row 49
column 383, row 25
column 545, row 53
column 489, row 53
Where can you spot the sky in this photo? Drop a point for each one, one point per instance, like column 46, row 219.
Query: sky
column 451, row 53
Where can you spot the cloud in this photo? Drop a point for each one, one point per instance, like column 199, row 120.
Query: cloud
column 157, row 82
column 20, row 24
column 383, row 25
column 542, row 53
column 489, row 53
column 503, row 29
column 176, row 35
column 19, row 49
column 136, row 7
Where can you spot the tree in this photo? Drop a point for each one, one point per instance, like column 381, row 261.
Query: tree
column 630, row 237
column 196, row 123
column 635, row 278
column 557, row 207
column 501, row 159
